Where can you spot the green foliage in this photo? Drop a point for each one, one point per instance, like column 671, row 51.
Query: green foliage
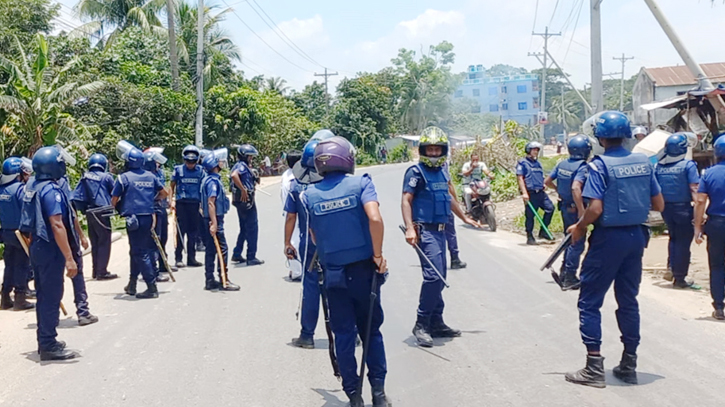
column 109, row 18
column 504, row 186
column 23, row 19
column 312, row 102
column 364, row 159
column 399, row 154
column 556, row 225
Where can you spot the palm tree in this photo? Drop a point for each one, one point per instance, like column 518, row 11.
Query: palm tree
column 219, row 49
column 562, row 111
column 111, row 17
column 36, row 99
column 277, row 84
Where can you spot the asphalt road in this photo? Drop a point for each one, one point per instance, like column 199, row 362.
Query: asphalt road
column 195, row 348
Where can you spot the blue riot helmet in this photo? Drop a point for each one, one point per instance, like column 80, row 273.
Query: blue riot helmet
column 135, row 159
column 98, row 161
column 612, row 125
column 245, row 151
column 676, row 145
column 308, row 153
column 12, row 167
column 190, row 153
column 153, row 156
column 48, row 164
column 579, row 147
column 216, row 158
column 532, row 145
column 323, row 134
column 335, row 155
column 719, row 147
column 27, row 165
column 202, row 154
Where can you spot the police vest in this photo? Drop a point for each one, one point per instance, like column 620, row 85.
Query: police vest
column 10, row 205
column 627, row 195
column 33, row 220
column 339, row 221
column 534, row 178
column 188, row 184
column 432, row 204
column 247, row 179
column 674, row 182
column 95, row 193
column 138, row 194
column 565, row 173
column 221, row 203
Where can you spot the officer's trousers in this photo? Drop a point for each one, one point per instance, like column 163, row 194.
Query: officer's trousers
column 17, row 264
column 540, row 201
column 187, row 213
column 49, row 265
column 142, row 248
column 80, row 295
column 162, row 231
column 715, row 231
column 248, row 230
column 573, row 253
column 678, row 217
column 99, row 233
column 433, row 244
column 210, row 253
column 451, row 237
column 348, row 316
column 614, row 256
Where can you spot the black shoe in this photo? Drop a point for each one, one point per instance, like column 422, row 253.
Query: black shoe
column 130, row 289
column 212, row 285
column 180, row 265
column 162, row 278
column 456, row 263
column 5, row 301
column 379, row 397
column 718, row 314
column 238, row 259
column 200, row 247
column 58, row 352
column 543, row 235
column 684, row 284
column 106, row 276
column 21, row 302
column 592, row 374
column 151, row 292
column 230, row 287
column 420, row 331
column 626, row 371
column 441, row 330
column 87, row 320
column 254, row 262
column 31, row 294
column 356, row 400
column 304, row 343
column 194, row 263
column 531, row 241
column 570, row 282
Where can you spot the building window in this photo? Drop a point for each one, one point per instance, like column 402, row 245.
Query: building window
column 680, row 93
column 521, row 88
column 522, row 106
column 504, row 106
column 476, row 109
column 536, row 103
column 492, row 91
column 535, row 86
column 476, row 92
column 458, row 94
column 493, row 108
column 503, row 89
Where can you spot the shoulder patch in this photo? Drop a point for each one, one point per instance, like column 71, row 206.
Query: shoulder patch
column 413, row 182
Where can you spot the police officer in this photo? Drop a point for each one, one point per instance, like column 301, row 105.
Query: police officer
column 679, row 181
column 621, row 188
column 48, row 218
column 153, row 160
column 451, row 236
column 243, row 183
column 426, row 207
column 15, row 173
column 133, row 195
column 305, row 174
column 288, row 177
column 200, row 247
column 92, row 192
column 345, row 220
column 186, row 186
column 571, row 205
column 530, row 175
column 712, row 189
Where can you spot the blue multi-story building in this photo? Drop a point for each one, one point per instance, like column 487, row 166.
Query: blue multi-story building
column 514, row 97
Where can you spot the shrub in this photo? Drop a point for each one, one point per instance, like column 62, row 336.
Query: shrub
column 398, row 154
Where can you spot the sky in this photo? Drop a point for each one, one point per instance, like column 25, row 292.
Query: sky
column 353, row 36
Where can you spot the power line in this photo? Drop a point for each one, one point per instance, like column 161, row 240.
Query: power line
column 573, row 32
column 556, row 6
column 533, row 28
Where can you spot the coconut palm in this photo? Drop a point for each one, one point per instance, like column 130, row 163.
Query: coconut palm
column 562, row 111
column 36, row 99
column 110, row 17
column 277, row 84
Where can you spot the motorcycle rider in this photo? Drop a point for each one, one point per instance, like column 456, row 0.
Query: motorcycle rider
column 473, row 171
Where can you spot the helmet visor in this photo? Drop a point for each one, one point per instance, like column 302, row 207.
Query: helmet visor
column 222, row 154
column 65, row 155
column 122, row 149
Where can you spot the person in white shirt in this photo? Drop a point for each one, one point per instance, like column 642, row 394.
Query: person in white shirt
column 295, row 267
column 473, row 171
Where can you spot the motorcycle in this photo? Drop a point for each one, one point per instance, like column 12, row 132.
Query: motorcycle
column 482, row 209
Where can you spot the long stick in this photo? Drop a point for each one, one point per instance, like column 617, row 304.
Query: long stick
column 541, row 221
column 222, row 264
column 328, row 327
column 430, row 263
column 368, row 328
column 162, row 254
column 180, row 241
column 24, row 243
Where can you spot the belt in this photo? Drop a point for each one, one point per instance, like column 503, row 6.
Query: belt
column 433, row 227
column 535, row 191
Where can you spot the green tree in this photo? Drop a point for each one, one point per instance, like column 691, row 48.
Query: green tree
column 36, row 97
column 277, row 85
column 24, row 19
column 312, row 101
column 110, row 17
column 505, row 70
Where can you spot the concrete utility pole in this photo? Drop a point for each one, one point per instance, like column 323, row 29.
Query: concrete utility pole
column 173, row 56
column 596, row 56
column 546, row 36
column 624, row 60
column 199, row 139
column 553, row 61
column 327, row 94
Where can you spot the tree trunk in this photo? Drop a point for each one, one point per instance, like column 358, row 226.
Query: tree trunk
column 173, row 57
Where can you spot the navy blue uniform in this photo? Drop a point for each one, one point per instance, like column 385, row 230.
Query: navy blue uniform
column 162, row 225
column 137, row 190
column 431, row 210
column 625, row 183
column 246, row 212
column 188, row 199
column 451, row 237
column 310, row 281
column 345, row 249
column 533, row 174
column 565, row 173
column 675, row 180
column 17, row 264
column 713, row 184
column 212, row 187
column 94, row 191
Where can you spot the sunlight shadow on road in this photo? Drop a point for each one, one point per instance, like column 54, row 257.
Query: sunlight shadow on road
column 709, row 319
column 320, row 344
column 35, row 357
column 643, row 378
column 330, row 399
column 410, row 341
column 63, row 323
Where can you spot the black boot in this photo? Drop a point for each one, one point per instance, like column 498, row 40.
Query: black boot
column 570, row 282
column 379, row 397
column 439, row 329
column 356, row 400
column 718, row 314
column 231, row 287
column 151, row 292
column 530, row 240
column 626, row 371
column 162, row 278
column 304, row 343
column 544, row 235
column 21, row 302
column 456, row 263
column 57, row 352
column 592, row 374
column 238, row 259
column 421, row 331
column 130, row 289
column 5, row 301
column 212, row 285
